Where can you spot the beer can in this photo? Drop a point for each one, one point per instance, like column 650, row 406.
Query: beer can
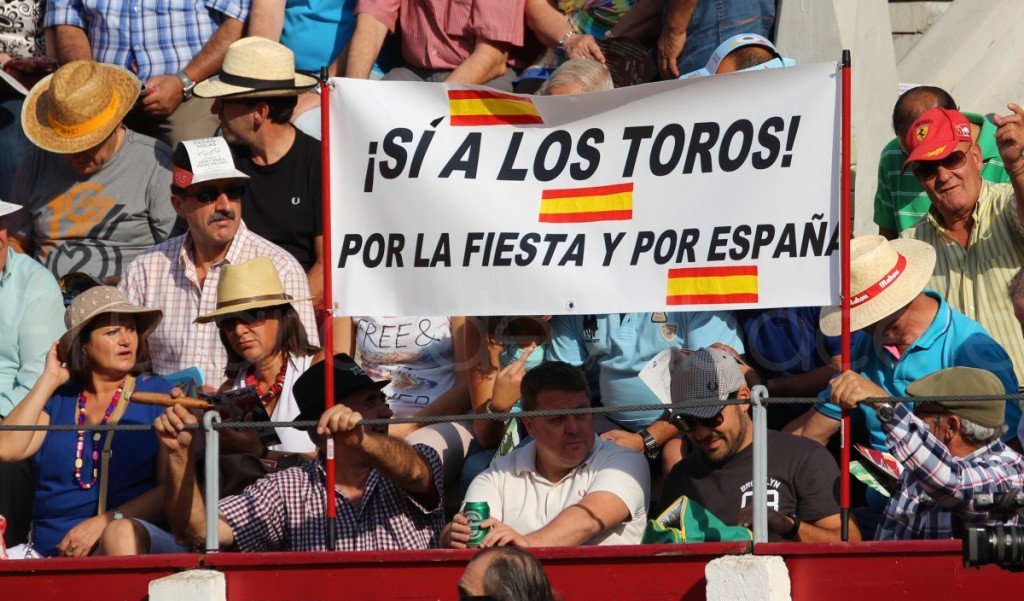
column 476, row 512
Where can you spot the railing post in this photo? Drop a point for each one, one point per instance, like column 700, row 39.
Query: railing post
column 212, row 481
column 760, row 500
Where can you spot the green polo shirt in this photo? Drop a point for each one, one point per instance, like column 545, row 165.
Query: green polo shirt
column 900, row 202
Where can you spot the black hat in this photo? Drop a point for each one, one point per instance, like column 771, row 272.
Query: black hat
column 308, row 390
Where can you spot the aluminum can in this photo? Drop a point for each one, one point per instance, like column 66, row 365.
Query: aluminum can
column 476, row 512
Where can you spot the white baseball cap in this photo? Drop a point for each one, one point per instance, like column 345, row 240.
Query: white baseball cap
column 6, row 208
column 736, row 42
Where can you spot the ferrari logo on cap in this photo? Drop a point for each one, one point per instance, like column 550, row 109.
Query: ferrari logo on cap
column 921, row 133
column 964, row 130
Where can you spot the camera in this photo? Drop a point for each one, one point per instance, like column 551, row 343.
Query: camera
column 1001, row 544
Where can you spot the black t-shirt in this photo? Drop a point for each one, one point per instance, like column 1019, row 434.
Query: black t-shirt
column 802, row 478
column 282, row 200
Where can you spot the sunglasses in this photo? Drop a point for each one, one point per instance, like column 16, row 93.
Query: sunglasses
column 928, row 169
column 209, row 194
column 249, row 320
column 690, row 423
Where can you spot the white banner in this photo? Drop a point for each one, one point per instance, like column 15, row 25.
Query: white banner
column 713, row 193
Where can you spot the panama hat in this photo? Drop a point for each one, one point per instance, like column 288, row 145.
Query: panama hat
column 251, row 285
column 256, row 67
column 77, row 106
column 101, row 300
column 6, row 208
column 884, row 277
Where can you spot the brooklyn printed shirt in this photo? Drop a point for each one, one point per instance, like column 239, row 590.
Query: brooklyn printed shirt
column 935, row 486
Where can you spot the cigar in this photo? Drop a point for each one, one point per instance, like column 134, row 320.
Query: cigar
column 165, row 400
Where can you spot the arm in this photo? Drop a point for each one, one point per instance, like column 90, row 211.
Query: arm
column 808, row 383
column 18, row 445
column 813, row 425
column 266, row 19
column 673, row 36
column 36, row 331
column 574, row 525
column 70, row 44
column 642, row 22
column 482, row 373
column 551, row 27
column 365, row 45
column 345, row 336
column 456, row 399
column 486, row 62
column 1010, row 138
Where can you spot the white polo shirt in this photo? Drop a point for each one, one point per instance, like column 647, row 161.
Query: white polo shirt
column 526, row 501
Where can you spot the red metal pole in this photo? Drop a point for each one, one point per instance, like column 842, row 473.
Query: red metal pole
column 845, row 227
column 325, row 166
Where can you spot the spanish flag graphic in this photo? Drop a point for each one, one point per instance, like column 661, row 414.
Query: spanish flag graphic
column 480, row 107
column 712, row 285
column 580, row 205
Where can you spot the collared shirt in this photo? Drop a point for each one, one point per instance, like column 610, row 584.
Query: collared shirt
column 164, row 277
column 441, row 34
column 900, row 201
column 935, row 486
column 525, row 501
column 974, row 279
column 286, row 511
column 31, row 319
column 148, row 38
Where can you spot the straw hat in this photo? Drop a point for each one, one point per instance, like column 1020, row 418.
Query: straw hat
column 256, row 67
column 78, row 106
column 884, row 277
column 101, row 300
column 246, row 286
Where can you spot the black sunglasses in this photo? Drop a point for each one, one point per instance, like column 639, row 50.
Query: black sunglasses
column 247, row 319
column 690, row 423
column 928, row 169
column 209, row 194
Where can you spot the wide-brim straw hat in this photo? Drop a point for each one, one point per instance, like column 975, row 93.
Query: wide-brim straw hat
column 256, row 67
column 102, row 300
column 254, row 284
column 77, row 106
column 884, row 277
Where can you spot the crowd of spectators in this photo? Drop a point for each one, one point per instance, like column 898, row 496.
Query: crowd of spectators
column 202, row 257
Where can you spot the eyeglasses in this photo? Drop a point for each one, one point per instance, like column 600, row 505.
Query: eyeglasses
column 928, row 169
column 209, row 194
column 249, row 320
column 689, row 422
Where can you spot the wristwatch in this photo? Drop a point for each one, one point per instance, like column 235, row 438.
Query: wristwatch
column 118, row 515
column 885, row 411
column 791, row 533
column 187, row 85
column 651, row 447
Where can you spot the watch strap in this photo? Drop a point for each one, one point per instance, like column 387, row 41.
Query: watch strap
column 187, row 85
column 651, row 447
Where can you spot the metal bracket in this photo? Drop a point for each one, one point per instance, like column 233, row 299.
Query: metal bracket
column 760, row 500
column 212, row 481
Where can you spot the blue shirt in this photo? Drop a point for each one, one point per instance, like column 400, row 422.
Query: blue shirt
column 31, row 319
column 317, row 31
column 952, row 340
column 614, row 348
column 60, row 504
column 786, row 342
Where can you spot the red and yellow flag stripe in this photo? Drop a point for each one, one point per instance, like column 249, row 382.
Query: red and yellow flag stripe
column 712, row 285
column 581, row 205
column 481, row 107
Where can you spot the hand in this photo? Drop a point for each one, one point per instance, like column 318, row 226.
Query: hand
column 343, row 424
column 163, row 95
column 670, row 46
column 55, row 367
column 626, row 439
column 506, row 386
column 1010, row 138
column 456, row 534
column 850, row 389
column 749, row 374
column 82, row 539
column 500, row 535
column 583, row 46
column 170, row 429
column 777, row 522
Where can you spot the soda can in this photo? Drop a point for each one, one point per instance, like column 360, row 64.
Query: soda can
column 476, row 512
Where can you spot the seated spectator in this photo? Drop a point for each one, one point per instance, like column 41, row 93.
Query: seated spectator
column 180, row 275
column 267, row 348
column 694, row 28
column 566, row 487
column 803, row 480
column 30, row 320
column 389, row 494
column 94, row 191
column 282, row 195
column 950, row 452
column 465, row 42
column 577, row 76
column 505, row 574
column 900, row 201
column 81, row 506
column 742, row 52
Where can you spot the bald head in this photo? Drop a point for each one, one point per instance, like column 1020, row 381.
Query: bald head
column 914, row 103
column 505, row 574
column 744, row 58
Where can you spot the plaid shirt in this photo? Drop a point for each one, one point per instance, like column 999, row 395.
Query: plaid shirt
column 149, row 38
column 286, row 511
column 164, row 277
column 937, row 488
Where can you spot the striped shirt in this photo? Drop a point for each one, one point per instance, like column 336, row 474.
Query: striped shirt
column 441, row 34
column 974, row 279
column 286, row 511
column 165, row 277
column 148, row 38
column 935, row 486
column 900, row 202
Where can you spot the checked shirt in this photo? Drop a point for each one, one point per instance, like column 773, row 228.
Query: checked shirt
column 935, row 486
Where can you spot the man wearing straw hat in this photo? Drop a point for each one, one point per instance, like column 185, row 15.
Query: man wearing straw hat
column 254, row 96
column 31, row 318
column 180, row 275
column 94, row 191
column 950, row 451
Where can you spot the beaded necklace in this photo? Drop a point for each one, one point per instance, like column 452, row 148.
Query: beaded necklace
column 96, row 436
column 275, row 388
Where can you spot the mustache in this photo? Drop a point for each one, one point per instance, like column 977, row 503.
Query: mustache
column 220, row 216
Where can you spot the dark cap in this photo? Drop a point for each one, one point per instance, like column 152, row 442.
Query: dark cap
column 308, row 390
column 965, row 381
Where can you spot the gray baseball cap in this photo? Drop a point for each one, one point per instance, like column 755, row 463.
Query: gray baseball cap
column 701, row 375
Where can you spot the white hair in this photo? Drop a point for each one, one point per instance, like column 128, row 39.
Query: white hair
column 587, row 73
column 974, row 434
